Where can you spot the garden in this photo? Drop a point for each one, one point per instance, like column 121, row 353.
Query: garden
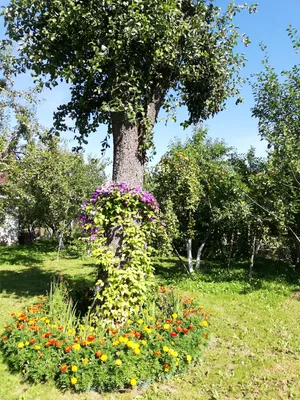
column 253, row 335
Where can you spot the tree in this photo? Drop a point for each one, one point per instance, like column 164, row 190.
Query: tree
column 277, row 107
column 125, row 60
column 49, row 183
column 196, row 183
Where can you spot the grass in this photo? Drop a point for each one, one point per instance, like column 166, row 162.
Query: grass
column 254, row 351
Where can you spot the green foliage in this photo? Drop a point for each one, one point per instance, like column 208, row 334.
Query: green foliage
column 154, row 344
column 49, row 183
column 121, row 56
column 121, row 221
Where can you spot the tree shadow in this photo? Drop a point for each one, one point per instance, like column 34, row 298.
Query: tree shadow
column 28, row 254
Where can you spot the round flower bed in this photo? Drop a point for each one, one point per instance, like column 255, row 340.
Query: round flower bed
column 158, row 341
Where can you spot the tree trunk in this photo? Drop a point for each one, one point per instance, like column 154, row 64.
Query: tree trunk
column 230, row 252
column 253, row 251
column 128, row 163
column 189, row 255
column 201, row 247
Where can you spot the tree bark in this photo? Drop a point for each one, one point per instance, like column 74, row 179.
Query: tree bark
column 201, row 247
column 189, row 255
column 128, row 163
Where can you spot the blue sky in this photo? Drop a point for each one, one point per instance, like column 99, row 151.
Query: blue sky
column 235, row 125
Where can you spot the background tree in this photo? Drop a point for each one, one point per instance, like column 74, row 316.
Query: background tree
column 49, row 183
column 195, row 182
column 125, row 60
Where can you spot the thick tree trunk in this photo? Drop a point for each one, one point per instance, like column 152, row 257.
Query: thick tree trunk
column 128, row 164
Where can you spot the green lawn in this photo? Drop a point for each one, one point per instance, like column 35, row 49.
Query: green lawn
column 254, row 351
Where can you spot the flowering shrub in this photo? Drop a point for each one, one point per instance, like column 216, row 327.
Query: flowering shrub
column 119, row 222
column 157, row 342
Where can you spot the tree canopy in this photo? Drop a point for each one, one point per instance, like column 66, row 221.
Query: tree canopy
column 124, row 60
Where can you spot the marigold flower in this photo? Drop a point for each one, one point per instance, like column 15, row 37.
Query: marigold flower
column 166, row 327
column 104, row 357
column 185, row 331
column 166, row 367
column 74, row 368
column 166, row 349
column 140, row 321
column 71, row 332
column 147, row 329
column 85, row 361
column 138, row 335
column 203, row 323
column 118, row 362
column 173, row 334
column 137, row 351
column 68, row 349
column 4, row 338
column 174, row 316
column 20, row 345
column 90, row 338
column 76, row 346
column 37, row 347
column 58, row 343
column 73, row 380
column 188, row 358
column 64, row 368
column 157, row 353
column 144, row 342
column 98, row 353
column 133, row 382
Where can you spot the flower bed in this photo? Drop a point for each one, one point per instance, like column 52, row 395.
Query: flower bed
column 159, row 341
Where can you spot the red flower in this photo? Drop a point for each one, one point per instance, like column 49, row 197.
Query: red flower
column 31, row 341
column 48, row 334
column 191, row 326
column 52, row 341
column 60, row 328
column 157, row 353
column 90, row 338
column 185, row 331
column 173, row 334
column 68, row 349
column 138, row 335
column 98, row 353
column 4, row 338
column 58, row 343
column 64, row 368
column 6, row 326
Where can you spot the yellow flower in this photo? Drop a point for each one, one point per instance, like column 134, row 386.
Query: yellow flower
column 133, row 382
column 166, row 349
column 53, row 326
column 76, row 346
column 103, row 357
column 129, row 322
column 43, row 319
column 71, row 332
column 74, row 368
column 20, row 345
column 166, row 327
column 136, row 308
column 121, row 339
column 188, row 358
column 84, row 361
column 174, row 315
column 137, row 351
column 47, row 321
column 125, row 339
column 147, row 329
column 26, row 343
column 203, row 323
column 37, row 347
column 73, row 380
column 118, row 362
column 116, row 342
column 140, row 321
column 144, row 342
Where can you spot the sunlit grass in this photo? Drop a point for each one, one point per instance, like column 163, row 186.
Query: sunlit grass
column 254, row 351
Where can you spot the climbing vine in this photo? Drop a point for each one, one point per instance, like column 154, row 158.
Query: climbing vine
column 120, row 222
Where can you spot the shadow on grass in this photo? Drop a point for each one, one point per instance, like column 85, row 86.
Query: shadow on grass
column 32, row 281
column 171, row 270
column 27, row 255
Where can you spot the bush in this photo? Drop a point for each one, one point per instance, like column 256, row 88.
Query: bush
column 47, row 342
